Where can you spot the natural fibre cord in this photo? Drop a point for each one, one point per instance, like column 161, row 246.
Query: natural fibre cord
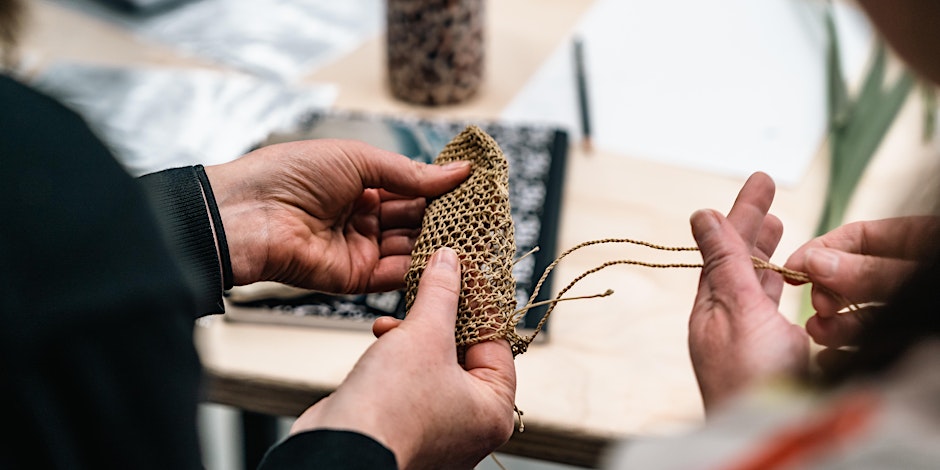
column 474, row 220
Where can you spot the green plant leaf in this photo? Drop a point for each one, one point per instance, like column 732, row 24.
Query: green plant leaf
column 857, row 135
column 856, row 128
column 837, row 92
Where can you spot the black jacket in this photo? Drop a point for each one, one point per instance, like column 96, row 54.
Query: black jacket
column 101, row 277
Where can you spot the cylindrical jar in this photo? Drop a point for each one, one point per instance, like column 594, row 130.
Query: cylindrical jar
column 435, row 50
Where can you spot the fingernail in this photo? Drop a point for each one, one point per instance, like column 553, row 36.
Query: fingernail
column 453, row 166
column 821, row 262
column 705, row 220
column 444, row 258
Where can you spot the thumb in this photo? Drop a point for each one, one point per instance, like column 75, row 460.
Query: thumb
column 706, row 228
column 399, row 174
column 438, row 293
column 725, row 257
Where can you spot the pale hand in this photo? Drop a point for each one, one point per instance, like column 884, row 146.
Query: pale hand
column 409, row 392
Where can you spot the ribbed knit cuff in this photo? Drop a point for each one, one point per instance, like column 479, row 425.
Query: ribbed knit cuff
column 178, row 200
column 220, row 241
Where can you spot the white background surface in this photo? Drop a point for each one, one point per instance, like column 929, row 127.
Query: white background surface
column 729, row 87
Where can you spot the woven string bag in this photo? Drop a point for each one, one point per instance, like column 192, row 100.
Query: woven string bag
column 474, row 220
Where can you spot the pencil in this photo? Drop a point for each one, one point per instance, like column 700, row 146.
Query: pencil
column 581, row 77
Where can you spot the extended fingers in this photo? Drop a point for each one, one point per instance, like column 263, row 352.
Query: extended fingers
column 770, row 233
column 727, row 244
column 751, row 206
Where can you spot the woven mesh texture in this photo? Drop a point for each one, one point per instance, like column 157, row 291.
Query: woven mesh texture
column 474, row 220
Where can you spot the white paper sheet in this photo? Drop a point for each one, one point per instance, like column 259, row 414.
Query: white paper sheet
column 729, row 87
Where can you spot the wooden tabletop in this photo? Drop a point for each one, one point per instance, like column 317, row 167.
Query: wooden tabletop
column 611, row 368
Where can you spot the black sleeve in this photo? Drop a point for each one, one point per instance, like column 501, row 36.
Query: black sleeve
column 328, row 450
column 183, row 202
column 97, row 363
